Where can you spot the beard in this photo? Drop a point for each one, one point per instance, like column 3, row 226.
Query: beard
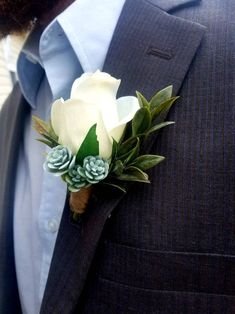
column 18, row 16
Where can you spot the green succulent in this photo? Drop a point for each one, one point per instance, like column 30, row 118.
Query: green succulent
column 95, row 169
column 59, row 161
column 76, row 179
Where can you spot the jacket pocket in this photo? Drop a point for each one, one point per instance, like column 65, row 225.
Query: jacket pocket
column 114, row 298
column 170, row 271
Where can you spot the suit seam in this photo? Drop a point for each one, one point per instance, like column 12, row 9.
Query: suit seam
column 102, row 278
column 107, row 242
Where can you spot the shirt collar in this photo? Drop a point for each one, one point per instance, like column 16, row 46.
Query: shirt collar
column 88, row 26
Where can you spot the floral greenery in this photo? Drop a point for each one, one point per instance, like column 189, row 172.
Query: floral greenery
column 45, row 129
column 126, row 164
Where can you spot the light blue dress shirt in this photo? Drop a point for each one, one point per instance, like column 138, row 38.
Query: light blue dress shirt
column 76, row 41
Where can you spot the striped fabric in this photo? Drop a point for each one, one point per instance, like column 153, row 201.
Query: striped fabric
column 168, row 247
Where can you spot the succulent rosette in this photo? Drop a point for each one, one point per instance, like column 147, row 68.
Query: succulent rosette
column 76, row 179
column 95, row 169
column 59, row 161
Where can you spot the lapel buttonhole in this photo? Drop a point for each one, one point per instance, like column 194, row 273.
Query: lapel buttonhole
column 163, row 54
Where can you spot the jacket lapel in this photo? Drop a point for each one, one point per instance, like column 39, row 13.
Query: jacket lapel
column 12, row 121
column 150, row 50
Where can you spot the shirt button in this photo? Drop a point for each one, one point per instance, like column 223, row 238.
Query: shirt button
column 52, row 225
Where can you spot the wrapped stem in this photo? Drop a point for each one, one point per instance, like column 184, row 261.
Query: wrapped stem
column 79, row 200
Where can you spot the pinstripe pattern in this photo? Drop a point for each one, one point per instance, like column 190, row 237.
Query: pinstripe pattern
column 168, row 247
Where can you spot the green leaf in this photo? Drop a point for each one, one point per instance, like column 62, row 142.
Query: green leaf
column 160, row 112
column 50, row 139
column 114, row 149
column 160, row 126
column 89, row 147
column 134, row 174
column 146, row 162
column 141, row 121
column 45, row 129
column 161, row 96
column 127, row 146
column 133, row 153
column 116, row 186
column 46, row 142
column 118, row 167
column 126, row 134
column 142, row 101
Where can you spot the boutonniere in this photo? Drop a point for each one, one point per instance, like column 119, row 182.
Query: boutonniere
column 98, row 139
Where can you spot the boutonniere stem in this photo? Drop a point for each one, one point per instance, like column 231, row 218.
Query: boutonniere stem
column 79, row 200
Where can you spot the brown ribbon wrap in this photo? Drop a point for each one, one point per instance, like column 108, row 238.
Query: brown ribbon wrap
column 79, row 200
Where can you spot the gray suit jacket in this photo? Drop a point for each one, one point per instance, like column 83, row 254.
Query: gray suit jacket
column 168, row 247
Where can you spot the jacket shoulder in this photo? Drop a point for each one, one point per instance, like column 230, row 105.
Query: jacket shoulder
column 11, row 102
column 11, row 111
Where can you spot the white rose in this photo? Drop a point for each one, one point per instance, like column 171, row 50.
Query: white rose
column 93, row 101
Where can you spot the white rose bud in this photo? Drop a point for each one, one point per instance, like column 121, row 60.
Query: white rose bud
column 93, row 101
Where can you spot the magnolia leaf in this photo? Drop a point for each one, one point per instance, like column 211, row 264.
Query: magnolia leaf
column 141, row 121
column 161, row 96
column 160, row 126
column 133, row 153
column 118, row 167
column 89, row 147
column 134, row 174
column 142, row 101
column 49, row 138
column 160, row 112
column 146, row 162
column 116, row 186
column 127, row 146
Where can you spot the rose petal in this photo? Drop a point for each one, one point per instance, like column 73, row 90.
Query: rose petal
column 100, row 89
column 57, row 115
column 75, row 118
column 127, row 108
column 88, row 82
column 117, row 132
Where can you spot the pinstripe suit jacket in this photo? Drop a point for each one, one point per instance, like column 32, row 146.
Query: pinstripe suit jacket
column 168, row 247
